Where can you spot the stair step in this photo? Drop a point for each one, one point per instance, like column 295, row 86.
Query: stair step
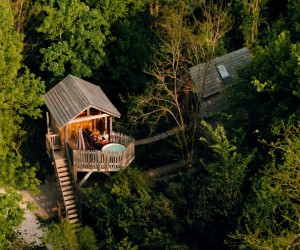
column 72, row 211
column 64, row 172
column 65, row 178
column 68, row 207
column 69, row 202
column 59, row 161
column 69, row 197
column 61, row 172
column 66, row 183
column 60, row 158
column 74, row 220
column 66, row 188
column 68, row 192
column 62, row 169
column 64, row 175
column 61, row 166
column 71, row 216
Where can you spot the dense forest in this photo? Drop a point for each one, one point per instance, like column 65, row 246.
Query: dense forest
column 239, row 187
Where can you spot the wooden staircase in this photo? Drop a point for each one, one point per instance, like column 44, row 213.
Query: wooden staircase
column 68, row 191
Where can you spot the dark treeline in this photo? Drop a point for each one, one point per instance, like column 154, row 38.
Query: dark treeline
column 239, row 188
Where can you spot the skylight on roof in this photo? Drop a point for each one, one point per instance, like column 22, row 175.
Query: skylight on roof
column 222, row 71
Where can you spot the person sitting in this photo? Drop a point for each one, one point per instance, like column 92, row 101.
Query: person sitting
column 96, row 139
column 105, row 137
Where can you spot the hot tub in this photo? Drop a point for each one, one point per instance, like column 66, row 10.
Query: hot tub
column 114, row 147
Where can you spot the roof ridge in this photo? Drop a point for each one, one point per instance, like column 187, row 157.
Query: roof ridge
column 79, row 90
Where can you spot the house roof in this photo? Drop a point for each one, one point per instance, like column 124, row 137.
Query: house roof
column 208, row 78
column 207, row 75
column 72, row 96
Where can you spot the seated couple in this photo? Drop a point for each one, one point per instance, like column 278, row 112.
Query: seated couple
column 102, row 139
column 105, row 138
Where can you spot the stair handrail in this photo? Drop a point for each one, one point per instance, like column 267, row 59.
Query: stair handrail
column 69, row 162
column 57, row 176
column 69, row 165
column 53, row 140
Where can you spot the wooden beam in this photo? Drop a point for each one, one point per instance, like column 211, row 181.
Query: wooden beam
column 48, row 123
column 81, row 144
column 88, row 118
column 94, row 124
column 84, row 179
column 110, row 124
column 65, row 134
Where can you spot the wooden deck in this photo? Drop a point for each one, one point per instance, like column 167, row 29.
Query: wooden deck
column 97, row 160
column 59, row 154
column 103, row 161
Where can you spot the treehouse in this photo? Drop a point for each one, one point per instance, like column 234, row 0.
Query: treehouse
column 213, row 78
column 78, row 111
column 80, row 136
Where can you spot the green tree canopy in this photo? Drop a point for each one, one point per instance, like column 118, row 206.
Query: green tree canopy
column 11, row 215
column 294, row 18
column 129, row 214
column 271, row 214
column 20, row 96
column 75, row 34
column 269, row 88
column 65, row 236
column 208, row 197
column 62, row 236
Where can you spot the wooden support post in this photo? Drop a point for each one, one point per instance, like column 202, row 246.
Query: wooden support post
column 75, row 174
column 84, row 179
column 65, row 135
column 78, row 139
column 110, row 124
column 48, row 123
column 81, row 144
column 105, row 122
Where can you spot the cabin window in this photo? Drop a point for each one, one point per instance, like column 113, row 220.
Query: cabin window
column 222, row 71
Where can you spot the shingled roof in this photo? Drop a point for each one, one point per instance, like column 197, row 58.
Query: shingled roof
column 209, row 82
column 72, row 96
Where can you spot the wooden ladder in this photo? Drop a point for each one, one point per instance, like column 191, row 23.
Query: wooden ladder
column 67, row 189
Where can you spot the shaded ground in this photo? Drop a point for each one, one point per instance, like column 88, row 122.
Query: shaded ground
column 46, row 202
column 167, row 169
column 157, row 174
column 47, row 199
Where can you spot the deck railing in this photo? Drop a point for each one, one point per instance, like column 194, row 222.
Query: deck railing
column 69, row 161
column 120, row 138
column 102, row 161
column 52, row 141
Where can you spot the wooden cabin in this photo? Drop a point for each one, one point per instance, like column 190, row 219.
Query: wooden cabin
column 212, row 78
column 76, row 105
column 78, row 109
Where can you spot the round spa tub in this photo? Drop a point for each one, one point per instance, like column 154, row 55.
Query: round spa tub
column 114, row 147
